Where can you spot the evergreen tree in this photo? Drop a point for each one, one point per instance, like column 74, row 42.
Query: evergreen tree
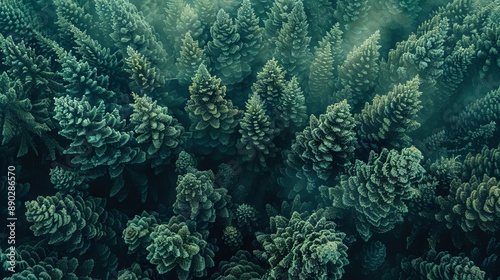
column 277, row 16
column 213, row 118
column 319, row 13
column 292, row 106
column 189, row 60
column 292, row 44
column 328, row 142
column 159, row 133
column 225, row 49
column 188, row 22
column 349, row 11
column 270, row 86
column 360, row 70
column 21, row 119
column 321, row 78
column 250, row 35
column 383, row 123
column 257, row 134
column 334, row 37
column 207, row 12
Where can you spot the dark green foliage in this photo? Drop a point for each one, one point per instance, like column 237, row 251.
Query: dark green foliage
column 56, row 269
column 240, row 266
column 292, row 106
column 325, row 145
column 480, row 112
column 422, row 54
column 207, row 12
column 198, row 200
column 303, row 248
column 359, row 71
column 185, row 163
column 231, row 237
column 473, row 204
column 20, row 119
column 136, row 272
column 67, row 220
column 213, row 118
column 270, row 85
column 145, row 77
column 225, row 49
column 445, row 170
column 277, row 16
column 70, row 13
column 137, row 233
column 159, row 133
column 251, row 33
column 488, row 48
column 175, row 246
column 334, row 37
column 442, row 265
column 34, row 71
column 97, row 56
column 189, row 21
column 83, row 81
column 321, row 78
column 385, row 122
column 17, row 20
column 67, row 180
column 486, row 162
column 319, row 13
column 257, row 134
column 373, row 255
column 246, row 216
column 97, row 76
column 191, row 57
column 376, row 191
column 130, row 29
column 98, row 137
column 292, row 43
column 349, row 13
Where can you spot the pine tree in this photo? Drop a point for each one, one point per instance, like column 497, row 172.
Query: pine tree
column 360, row 70
column 384, row 122
column 256, row 134
column 250, row 35
column 319, row 13
column 270, row 86
column 292, row 44
column 188, row 22
column 292, row 106
column 213, row 118
column 327, row 142
column 321, row 78
column 225, row 49
column 190, row 58
column 277, row 16
column 207, row 12
column 334, row 37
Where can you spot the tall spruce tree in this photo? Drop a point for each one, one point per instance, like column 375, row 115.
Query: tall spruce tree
column 257, row 134
column 361, row 68
column 225, row 49
column 292, row 44
column 191, row 56
column 270, row 86
column 321, row 78
column 277, row 16
column 250, row 35
column 213, row 117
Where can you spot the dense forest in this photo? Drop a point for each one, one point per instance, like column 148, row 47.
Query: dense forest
column 253, row 139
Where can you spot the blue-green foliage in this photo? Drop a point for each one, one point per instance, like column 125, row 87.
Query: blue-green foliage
column 368, row 125
column 303, row 248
